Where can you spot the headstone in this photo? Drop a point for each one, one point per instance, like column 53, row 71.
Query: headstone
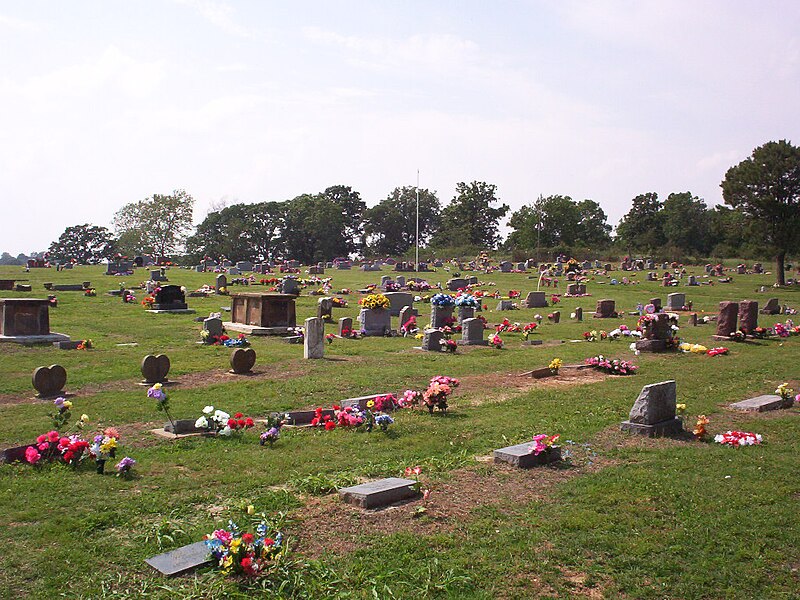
column 345, row 326
column 406, row 313
column 170, row 297
column 440, row 314
column 653, row 413
column 181, row 559
column 772, row 307
column 375, row 322
column 656, row 302
column 535, row 300
column 400, row 281
column 457, row 283
column 397, row 301
column 314, row 341
column 384, row 280
column 325, row 307
column 748, row 315
column 155, row 368
column 656, row 333
column 741, row 269
column 606, row 309
column 221, row 282
column 432, row 340
column 505, row 305
column 556, row 316
column 465, row 312
column 506, row 266
column 691, row 280
column 578, row 314
column 157, row 275
column 763, row 403
column 650, row 264
column 726, row 320
column 693, row 319
column 289, row 285
column 472, row 333
column 244, row 266
column 758, row 268
column 213, row 325
column 199, row 269
column 377, row 494
column 262, row 314
column 472, row 280
column 27, row 320
column 242, row 360
column 522, row 456
column 49, row 381
column 676, row 301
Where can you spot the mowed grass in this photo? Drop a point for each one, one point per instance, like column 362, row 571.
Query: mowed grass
column 651, row 519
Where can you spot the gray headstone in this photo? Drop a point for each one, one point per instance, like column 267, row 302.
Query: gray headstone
column 472, row 280
column 579, row 314
column 763, row 403
column 656, row 403
column 213, row 325
column 181, row 559
column 325, row 307
column 535, row 300
column 676, row 301
column 314, row 342
column 289, row 285
column 772, row 307
column 505, row 305
column 244, row 266
column 406, row 313
column 521, row 456
column 439, row 314
column 221, row 282
column 233, row 271
column 398, row 301
column 345, row 324
column 472, row 333
column 506, row 267
column 400, row 280
column 432, row 340
column 377, row 494
column 375, row 322
column 465, row 312
column 455, row 284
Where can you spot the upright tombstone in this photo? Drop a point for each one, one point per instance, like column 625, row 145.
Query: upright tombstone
column 656, row 302
column 221, row 283
column 578, row 314
column 398, row 301
column 535, row 300
column 726, row 319
column 325, row 308
column 556, row 316
column 572, row 289
column 432, row 340
column 692, row 280
column 465, row 312
column 656, row 334
column 289, row 285
column 155, row 368
column 314, row 340
column 245, row 266
column 472, row 280
column 472, row 333
column 375, row 321
column 653, row 413
column 505, row 305
column 345, row 326
column 384, row 280
column 49, row 381
column 506, row 267
column 170, row 298
column 213, row 325
column 440, row 315
column 157, row 275
column 242, row 360
column 772, row 307
column 400, row 280
column 406, row 313
column 748, row 315
column 27, row 321
column 457, row 283
column 606, row 309
column 262, row 314
column 676, row 301
column 521, row 266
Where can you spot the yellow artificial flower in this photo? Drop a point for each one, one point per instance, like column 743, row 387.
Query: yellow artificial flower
column 84, row 418
column 370, row 403
column 157, row 386
column 67, row 404
column 251, row 509
column 107, row 446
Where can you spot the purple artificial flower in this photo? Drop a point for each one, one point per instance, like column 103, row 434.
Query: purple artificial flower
column 59, row 402
column 125, row 464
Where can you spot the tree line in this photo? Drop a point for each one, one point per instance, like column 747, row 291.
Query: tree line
column 761, row 215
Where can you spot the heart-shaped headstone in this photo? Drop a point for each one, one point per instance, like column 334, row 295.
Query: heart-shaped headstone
column 49, row 381
column 242, row 360
column 155, row 368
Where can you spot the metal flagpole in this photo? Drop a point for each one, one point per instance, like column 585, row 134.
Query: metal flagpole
column 416, row 268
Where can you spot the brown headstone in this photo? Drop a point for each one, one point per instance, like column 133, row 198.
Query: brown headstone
column 49, row 381
column 726, row 321
column 748, row 315
column 155, row 368
column 242, row 360
column 606, row 309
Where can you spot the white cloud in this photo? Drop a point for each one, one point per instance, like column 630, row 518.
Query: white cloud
column 220, row 14
column 20, row 24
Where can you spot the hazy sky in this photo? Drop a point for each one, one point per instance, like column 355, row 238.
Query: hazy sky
column 107, row 102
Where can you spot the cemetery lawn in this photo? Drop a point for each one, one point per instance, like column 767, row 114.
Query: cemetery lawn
column 623, row 517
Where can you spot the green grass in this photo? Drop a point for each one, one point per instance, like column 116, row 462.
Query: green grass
column 659, row 520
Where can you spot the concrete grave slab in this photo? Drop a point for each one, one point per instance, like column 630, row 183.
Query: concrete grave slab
column 181, row 559
column 380, row 493
column 520, row 455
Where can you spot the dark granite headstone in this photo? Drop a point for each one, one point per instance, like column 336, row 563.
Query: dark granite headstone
column 49, row 381
column 170, row 297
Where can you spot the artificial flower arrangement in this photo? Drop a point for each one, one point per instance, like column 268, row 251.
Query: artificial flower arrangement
column 737, row 336
column 543, row 442
column 693, row 348
column 158, row 393
column 718, row 351
column 594, row 335
column 273, row 426
column 90, row 292
column 448, row 345
column 104, row 447
column 614, row 366
column 339, row 302
column 443, row 300
column 62, row 414
column 345, row 291
column 409, row 327
column 53, row 446
column 415, row 472
column 514, row 293
column 221, row 423
column 375, row 302
column 528, row 329
column 624, row 331
column 84, row 345
column 787, row 395
column 148, row 301
column 329, row 337
column 236, row 552
column 508, row 326
column 350, row 333
column 54, row 301
column 555, row 365
column 466, row 301
column 239, row 341
column 439, row 389
column 418, row 286
column 409, row 399
column 496, row 341
column 213, row 340
column 554, row 299
column 738, row 438
column 699, row 430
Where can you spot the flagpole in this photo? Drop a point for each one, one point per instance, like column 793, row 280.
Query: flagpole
column 417, row 251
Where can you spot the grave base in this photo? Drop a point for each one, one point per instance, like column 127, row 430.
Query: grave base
column 763, row 403
column 472, row 342
column 521, row 456
column 651, row 345
column 174, row 311
column 377, row 494
column 664, row 428
column 255, row 329
column 30, row 340
column 178, row 436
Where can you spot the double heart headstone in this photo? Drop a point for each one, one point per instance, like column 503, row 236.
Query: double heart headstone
column 49, row 381
column 242, row 360
column 155, row 368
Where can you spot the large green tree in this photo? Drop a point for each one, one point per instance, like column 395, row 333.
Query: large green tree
column 766, row 188
column 352, row 207
column 314, row 229
column 471, row 219
column 641, row 228
column 686, row 224
column 157, row 225
column 390, row 226
column 87, row 244
column 557, row 220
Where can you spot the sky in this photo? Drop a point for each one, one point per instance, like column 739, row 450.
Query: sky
column 103, row 103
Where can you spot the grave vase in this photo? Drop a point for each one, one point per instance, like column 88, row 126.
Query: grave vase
column 101, row 466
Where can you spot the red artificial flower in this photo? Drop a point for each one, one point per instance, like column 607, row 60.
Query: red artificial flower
column 249, row 422
column 52, row 436
column 232, row 423
column 241, row 423
column 247, row 538
column 41, row 439
column 238, row 415
column 337, row 407
column 330, row 425
column 268, row 541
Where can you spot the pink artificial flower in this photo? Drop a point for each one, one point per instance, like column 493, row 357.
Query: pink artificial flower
column 32, row 456
column 223, row 536
column 426, row 494
column 52, row 436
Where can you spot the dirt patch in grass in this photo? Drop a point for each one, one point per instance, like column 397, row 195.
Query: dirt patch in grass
column 12, row 399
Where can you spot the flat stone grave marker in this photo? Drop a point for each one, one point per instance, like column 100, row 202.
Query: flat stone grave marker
column 762, row 403
column 521, row 456
column 380, row 493
column 242, row 360
column 155, row 368
column 505, row 305
column 49, row 381
column 181, row 559
column 302, row 418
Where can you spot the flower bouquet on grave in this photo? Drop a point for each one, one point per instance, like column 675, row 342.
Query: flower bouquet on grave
column 738, row 438
column 221, row 423
column 554, row 299
column 375, row 302
column 466, row 301
column 53, row 446
column 439, row 389
column 124, row 467
column 351, row 334
column 513, row 294
column 63, row 414
column 614, row 366
column 84, row 345
column 104, row 446
column 737, row 336
column 90, row 293
column 339, row 303
column 273, row 426
column 528, row 329
column 243, row 553
column 555, row 365
column 240, row 342
column 448, row 345
column 496, row 341
column 162, row 401
column 321, row 420
column 443, row 300
column 544, row 443
column 148, row 302
column 718, row 351
column 409, row 399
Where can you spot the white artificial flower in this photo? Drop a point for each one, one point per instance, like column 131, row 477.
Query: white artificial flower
column 208, row 410
column 221, row 416
column 201, row 423
column 226, row 430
